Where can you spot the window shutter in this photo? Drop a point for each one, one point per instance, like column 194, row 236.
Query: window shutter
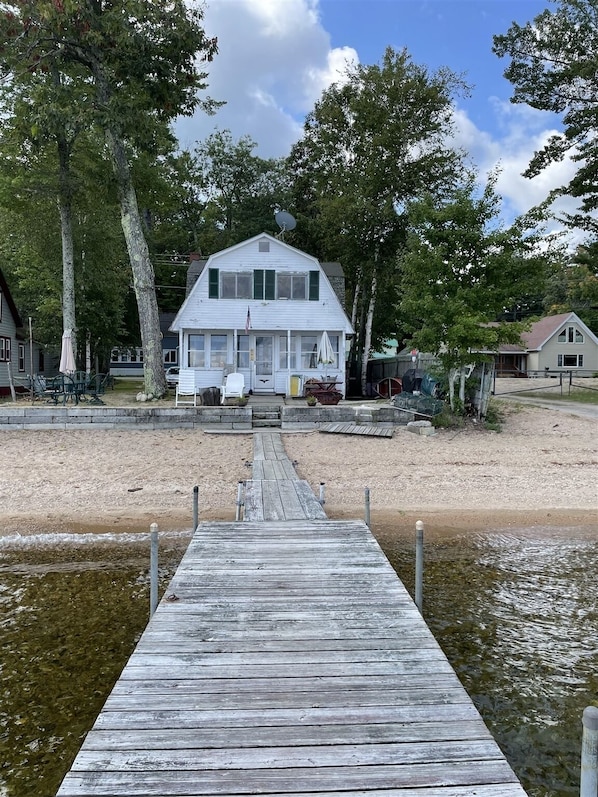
column 258, row 283
column 270, row 284
column 314, row 286
column 213, row 283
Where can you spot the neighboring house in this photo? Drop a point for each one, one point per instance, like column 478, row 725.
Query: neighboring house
column 556, row 343
column 260, row 308
column 128, row 360
column 15, row 349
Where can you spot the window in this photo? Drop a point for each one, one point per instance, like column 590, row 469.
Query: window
column 570, row 335
column 242, row 351
column 0, row 305
column 264, row 246
column 236, row 285
column 218, row 350
column 309, row 351
column 570, row 360
column 126, row 355
column 284, row 360
column 21, row 356
column 170, row 357
column 197, row 352
column 291, row 286
column 4, row 350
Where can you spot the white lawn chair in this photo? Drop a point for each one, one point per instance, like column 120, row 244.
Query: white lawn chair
column 233, row 387
column 186, row 391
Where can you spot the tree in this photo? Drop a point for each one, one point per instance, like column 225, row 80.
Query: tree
column 133, row 62
column 370, row 146
column 242, row 190
column 554, row 67
column 460, row 271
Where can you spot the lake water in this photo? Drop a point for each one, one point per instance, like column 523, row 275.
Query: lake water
column 516, row 612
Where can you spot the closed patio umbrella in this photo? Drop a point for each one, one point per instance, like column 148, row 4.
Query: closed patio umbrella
column 67, row 358
column 326, row 354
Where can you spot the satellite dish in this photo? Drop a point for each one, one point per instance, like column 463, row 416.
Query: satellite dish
column 285, row 221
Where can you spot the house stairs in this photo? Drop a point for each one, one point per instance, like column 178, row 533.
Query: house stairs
column 264, row 416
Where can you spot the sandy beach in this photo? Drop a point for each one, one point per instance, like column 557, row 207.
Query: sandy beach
column 542, row 469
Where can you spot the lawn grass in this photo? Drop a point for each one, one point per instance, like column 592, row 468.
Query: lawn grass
column 582, row 396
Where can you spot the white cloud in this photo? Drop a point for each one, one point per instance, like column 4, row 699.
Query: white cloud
column 273, row 63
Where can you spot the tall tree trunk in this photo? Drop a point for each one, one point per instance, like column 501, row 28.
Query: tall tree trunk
column 143, row 272
column 367, row 342
column 69, row 320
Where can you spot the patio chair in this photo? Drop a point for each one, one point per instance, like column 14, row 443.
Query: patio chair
column 186, row 391
column 233, row 387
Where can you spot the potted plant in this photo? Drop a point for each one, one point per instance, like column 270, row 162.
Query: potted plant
column 311, row 400
column 242, row 401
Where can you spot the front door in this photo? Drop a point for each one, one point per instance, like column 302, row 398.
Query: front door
column 264, row 364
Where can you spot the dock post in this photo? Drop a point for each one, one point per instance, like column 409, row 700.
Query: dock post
column 589, row 753
column 195, row 508
column 322, row 496
column 367, row 507
column 419, row 565
column 239, row 500
column 153, row 568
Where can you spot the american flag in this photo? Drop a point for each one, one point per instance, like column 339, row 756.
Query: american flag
column 248, row 322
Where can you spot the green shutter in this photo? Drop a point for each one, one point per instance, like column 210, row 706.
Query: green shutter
column 270, row 285
column 258, row 283
column 314, row 286
column 213, row 281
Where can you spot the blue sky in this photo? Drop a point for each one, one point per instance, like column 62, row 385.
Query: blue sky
column 277, row 56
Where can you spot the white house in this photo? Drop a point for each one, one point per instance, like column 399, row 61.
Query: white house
column 260, row 308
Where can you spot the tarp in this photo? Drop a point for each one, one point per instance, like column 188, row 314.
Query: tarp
column 326, row 354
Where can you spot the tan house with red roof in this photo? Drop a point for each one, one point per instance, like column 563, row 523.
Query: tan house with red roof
column 556, row 343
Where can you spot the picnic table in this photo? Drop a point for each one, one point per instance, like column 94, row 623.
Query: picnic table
column 325, row 390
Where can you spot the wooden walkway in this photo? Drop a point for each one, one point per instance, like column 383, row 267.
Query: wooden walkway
column 276, row 492
column 369, row 429
column 287, row 658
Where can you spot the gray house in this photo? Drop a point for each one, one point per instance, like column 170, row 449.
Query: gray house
column 15, row 348
column 556, row 343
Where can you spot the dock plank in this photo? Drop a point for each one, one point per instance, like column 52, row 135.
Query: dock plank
column 274, row 674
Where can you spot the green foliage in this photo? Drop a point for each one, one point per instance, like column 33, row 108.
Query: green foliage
column 553, row 68
column 371, row 145
column 459, row 272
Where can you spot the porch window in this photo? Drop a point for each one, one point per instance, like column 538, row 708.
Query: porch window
column 287, row 359
column 218, row 350
column 21, row 356
column 570, row 360
column 242, row 351
column 170, row 357
column 309, row 351
column 197, row 351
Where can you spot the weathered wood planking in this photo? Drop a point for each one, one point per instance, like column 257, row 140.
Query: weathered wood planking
column 370, row 430
column 292, row 662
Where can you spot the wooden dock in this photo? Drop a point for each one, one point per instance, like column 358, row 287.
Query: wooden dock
column 286, row 658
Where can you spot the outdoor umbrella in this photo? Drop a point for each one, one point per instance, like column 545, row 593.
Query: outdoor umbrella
column 67, row 358
column 326, row 354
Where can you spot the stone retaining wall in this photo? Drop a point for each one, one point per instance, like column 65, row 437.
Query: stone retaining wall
column 221, row 417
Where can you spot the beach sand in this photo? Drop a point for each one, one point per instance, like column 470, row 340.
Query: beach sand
column 541, row 469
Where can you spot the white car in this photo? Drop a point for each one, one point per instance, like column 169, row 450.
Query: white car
column 172, row 376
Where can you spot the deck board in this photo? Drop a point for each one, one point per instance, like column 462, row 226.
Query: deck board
column 286, row 658
column 370, row 430
column 273, row 674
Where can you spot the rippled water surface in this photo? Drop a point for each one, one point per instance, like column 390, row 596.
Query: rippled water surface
column 517, row 615
column 516, row 612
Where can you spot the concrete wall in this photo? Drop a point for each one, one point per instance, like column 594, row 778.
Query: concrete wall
column 221, row 417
